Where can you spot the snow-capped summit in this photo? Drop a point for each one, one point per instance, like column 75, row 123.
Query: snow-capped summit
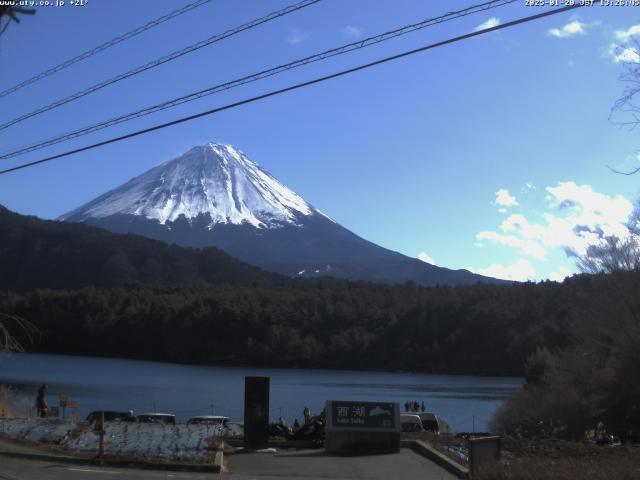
column 213, row 179
column 215, row 196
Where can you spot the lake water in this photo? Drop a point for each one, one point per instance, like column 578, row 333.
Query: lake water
column 188, row 390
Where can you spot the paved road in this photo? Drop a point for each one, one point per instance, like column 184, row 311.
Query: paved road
column 307, row 465
column 304, row 465
column 315, row 465
column 18, row 469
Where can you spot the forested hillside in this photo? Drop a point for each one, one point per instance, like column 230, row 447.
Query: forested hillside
column 479, row 329
column 36, row 253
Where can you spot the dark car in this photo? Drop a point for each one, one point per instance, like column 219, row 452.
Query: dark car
column 164, row 418
column 110, row 416
column 208, row 420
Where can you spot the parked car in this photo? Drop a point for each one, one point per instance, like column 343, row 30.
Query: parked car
column 110, row 416
column 410, row 422
column 433, row 423
column 164, row 418
column 208, row 420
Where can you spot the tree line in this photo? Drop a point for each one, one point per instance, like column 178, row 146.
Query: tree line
column 477, row 329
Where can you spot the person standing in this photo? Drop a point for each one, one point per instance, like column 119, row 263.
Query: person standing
column 41, row 402
column 307, row 415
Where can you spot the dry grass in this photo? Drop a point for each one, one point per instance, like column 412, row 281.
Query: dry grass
column 541, row 468
column 558, row 449
column 561, row 460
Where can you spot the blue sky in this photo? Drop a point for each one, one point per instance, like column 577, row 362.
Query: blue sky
column 488, row 154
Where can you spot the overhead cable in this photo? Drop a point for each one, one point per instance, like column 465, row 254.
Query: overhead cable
column 296, row 86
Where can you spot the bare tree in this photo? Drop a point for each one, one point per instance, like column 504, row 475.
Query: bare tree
column 9, row 323
column 12, row 12
column 612, row 254
column 628, row 106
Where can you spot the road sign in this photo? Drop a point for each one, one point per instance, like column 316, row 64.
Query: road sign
column 63, row 397
column 380, row 416
column 364, row 427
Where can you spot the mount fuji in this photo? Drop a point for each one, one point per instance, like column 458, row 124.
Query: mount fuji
column 214, row 195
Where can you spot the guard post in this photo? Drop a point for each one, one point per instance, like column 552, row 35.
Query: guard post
column 256, row 411
column 362, row 427
column 99, row 430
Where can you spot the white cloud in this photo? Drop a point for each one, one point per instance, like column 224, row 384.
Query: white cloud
column 505, row 199
column 297, row 36
column 521, row 270
column 629, row 33
column 584, row 217
column 577, row 217
column 571, row 29
column 531, row 248
column 492, row 22
column 352, row 31
column 621, row 54
column 425, row 257
column 519, row 224
column 560, row 274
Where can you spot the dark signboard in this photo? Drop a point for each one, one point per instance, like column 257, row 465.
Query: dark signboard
column 256, row 411
column 363, row 415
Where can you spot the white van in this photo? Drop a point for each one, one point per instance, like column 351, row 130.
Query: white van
column 410, row 422
column 433, row 423
column 208, row 420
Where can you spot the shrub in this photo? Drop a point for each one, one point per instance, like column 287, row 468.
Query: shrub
column 542, row 468
column 6, row 397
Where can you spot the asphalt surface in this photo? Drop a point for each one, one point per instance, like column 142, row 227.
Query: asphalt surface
column 291, row 464
column 19, row 469
column 316, row 465
column 304, row 465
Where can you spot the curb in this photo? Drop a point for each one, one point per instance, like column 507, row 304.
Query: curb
column 215, row 467
column 277, row 443
column 435, row 456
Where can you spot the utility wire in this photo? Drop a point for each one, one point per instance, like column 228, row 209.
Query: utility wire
column 162, row 60
column 257, row 76
column 296, row 86
column 104, row 46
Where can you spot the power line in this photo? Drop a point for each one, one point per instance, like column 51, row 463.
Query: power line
column 296, row 86
column 257, row 76
column 104, row 46
column 162, row 60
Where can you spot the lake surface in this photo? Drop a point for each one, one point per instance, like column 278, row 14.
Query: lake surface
column 188, row 390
